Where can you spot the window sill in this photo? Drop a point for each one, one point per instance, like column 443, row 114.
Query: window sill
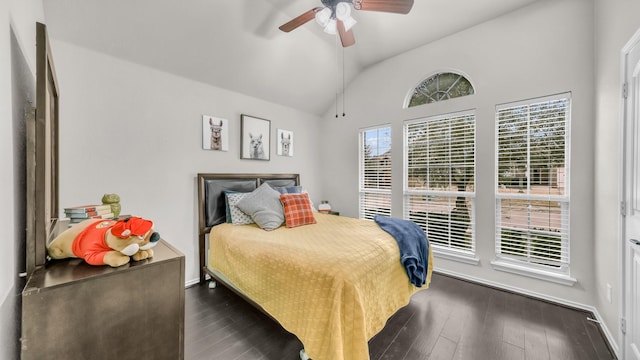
column 540, row 274
column 463, row 258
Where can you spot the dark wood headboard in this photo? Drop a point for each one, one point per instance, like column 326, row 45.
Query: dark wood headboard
column 211, row 200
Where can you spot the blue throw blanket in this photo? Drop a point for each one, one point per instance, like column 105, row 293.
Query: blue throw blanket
column 413, row 244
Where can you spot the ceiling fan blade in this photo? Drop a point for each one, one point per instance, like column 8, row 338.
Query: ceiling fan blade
column 346, row 37
column 300, row 20
column 391, row 6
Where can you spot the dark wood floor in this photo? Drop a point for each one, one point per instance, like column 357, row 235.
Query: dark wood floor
column 453, row 319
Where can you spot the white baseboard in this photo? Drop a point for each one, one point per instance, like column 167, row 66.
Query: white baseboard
column 607, row 333
column 573, row 304
column 192, row 282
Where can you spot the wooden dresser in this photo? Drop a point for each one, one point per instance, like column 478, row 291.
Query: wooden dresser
column 72, row 310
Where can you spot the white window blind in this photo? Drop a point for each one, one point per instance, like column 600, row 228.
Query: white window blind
column 532, row 192
column 440, row 179
column 375, row 172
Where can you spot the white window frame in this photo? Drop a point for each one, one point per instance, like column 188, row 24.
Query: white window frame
column 439, row 250
column 528, row 265
column 438, row 94
column 383, row 194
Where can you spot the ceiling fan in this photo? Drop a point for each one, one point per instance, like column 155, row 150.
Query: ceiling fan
column 335, row 16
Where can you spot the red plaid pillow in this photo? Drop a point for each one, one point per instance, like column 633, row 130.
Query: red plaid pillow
column 297, row 209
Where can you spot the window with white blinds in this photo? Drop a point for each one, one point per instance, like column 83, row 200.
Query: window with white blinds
column 532, row 183
column 375, row 172
column 439, row 155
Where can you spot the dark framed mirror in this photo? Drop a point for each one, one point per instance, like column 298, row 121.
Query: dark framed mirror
column 42, row 157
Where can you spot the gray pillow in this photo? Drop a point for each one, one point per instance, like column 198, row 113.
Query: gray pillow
column 264, row 206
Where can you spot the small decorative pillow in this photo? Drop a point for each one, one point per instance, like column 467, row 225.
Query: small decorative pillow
column 235, row 215
column 288, row 189
column 227, row 207
column 264, row 206
column 297, row 210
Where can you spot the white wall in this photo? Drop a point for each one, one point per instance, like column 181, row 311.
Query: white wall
column 6, row 146
column 137, row 132
column 546, row 48
column 616, row 23
column 7, row 217
column 17, row 89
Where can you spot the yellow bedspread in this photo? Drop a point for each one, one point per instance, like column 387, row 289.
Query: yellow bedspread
column 333, row 284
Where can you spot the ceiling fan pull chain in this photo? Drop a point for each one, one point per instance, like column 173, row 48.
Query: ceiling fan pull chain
column 343, row 113
column 337, row 75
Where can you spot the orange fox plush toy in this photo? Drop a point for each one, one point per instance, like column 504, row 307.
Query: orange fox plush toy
column 106, row 242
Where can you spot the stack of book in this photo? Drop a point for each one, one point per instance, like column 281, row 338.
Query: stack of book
column 77, row 214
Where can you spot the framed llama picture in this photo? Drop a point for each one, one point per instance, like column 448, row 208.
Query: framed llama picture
column 284, row 142
column 255, row 138
column 215, row 133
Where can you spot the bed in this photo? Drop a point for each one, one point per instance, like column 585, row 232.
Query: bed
column 333, row 283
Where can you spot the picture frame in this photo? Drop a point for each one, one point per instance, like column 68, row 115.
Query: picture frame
column 284, row 142
column 255, row 138
column 215, row 133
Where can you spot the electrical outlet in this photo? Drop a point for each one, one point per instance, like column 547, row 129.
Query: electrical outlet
column 609, row 293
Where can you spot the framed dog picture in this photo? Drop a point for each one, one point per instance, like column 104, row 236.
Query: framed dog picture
column 215, row 133
column 284, row 142
column 255, row 138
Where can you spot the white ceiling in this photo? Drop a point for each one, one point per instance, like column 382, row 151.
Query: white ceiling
column 236, row 44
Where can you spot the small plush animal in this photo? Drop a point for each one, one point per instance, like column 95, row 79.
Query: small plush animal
column 285, row 143
column 216, row 135
column 106, row 242
column 256, row 150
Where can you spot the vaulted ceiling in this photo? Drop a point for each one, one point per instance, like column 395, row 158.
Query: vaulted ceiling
column 236, row 44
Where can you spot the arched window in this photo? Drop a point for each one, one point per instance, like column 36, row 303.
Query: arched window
column 440, row 87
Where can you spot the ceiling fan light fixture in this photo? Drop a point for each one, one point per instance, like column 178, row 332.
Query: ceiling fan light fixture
column 332, row 27
column 343, row 11
column 348, row 23
column 323, row 16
